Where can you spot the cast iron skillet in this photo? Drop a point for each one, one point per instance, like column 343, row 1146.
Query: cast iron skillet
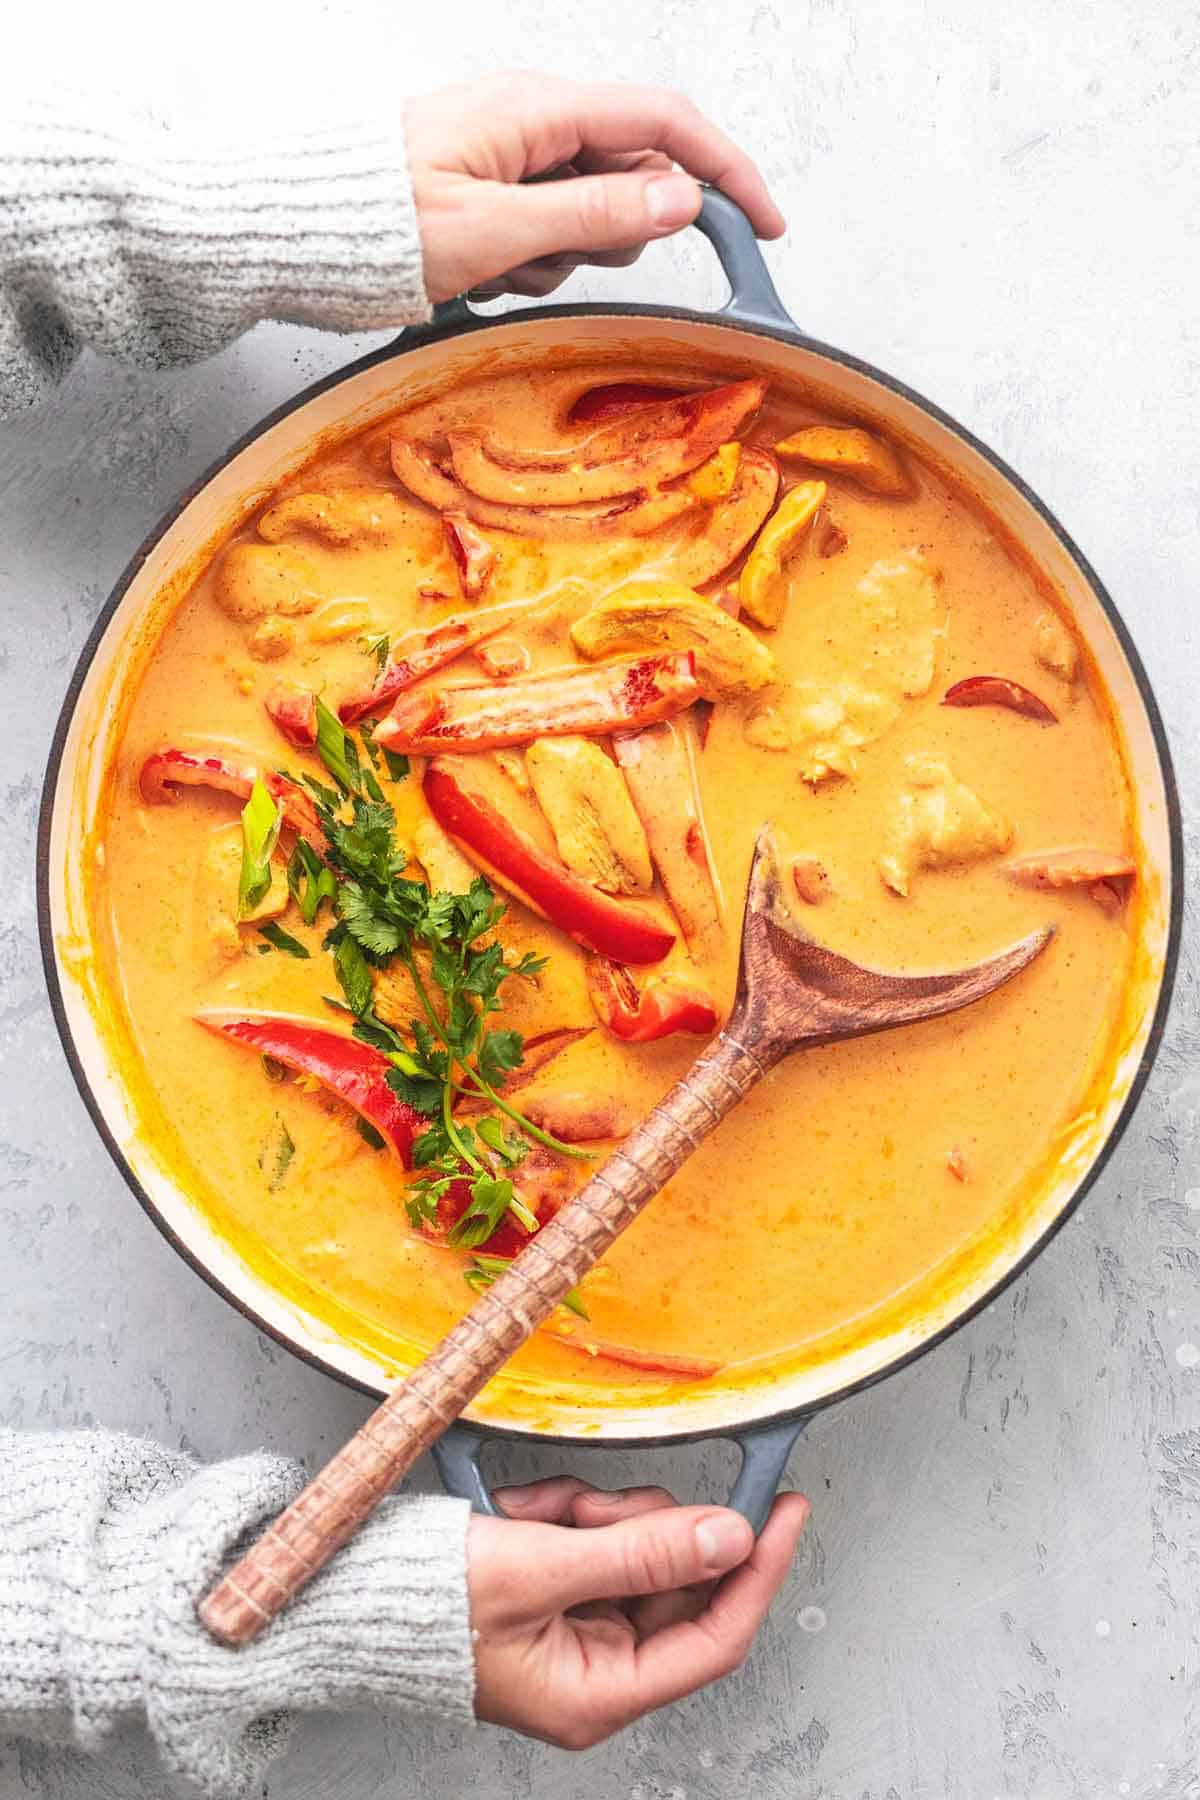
column 754, row 308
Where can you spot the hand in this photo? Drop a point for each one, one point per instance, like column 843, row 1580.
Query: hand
column 522, row 177
column 580, row 1631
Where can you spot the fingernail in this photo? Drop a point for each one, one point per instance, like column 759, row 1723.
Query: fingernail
column 518, row 1496
column 722, row 1539
column 671, row 201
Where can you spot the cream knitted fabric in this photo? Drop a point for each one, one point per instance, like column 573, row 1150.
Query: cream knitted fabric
column 157, row 252
column 107, row 1543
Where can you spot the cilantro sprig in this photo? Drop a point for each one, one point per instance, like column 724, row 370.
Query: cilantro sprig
column 446, row 943
column 484, row 1270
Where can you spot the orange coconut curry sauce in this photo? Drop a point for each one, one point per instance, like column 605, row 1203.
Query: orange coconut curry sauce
column 672, row 621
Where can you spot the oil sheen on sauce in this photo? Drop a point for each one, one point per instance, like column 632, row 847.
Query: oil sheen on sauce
column 836, row 1193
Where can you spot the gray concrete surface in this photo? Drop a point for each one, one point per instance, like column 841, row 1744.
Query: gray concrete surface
column 999, row 1592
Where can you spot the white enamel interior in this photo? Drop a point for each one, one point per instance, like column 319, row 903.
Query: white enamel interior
column 355, row 401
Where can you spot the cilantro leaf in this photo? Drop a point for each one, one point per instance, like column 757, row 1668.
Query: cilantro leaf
column 491, row 1197
column 499, row 1053
column 422, row 1092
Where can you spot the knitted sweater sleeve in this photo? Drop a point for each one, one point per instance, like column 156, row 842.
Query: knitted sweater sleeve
column 107, row 1543
column 155, row 250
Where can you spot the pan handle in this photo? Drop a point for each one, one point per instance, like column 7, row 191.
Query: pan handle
column 765, row 1450
column 752, row 296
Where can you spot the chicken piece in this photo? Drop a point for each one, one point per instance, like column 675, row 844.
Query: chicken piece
column 647, row 614
column 1054, row 647
column 878, row 649
column 937, row 822
column 901, row 609
column 446, row 868
column 846, row 450
column 341, row 517
column 765, row 580
column 597, row 830
column 223, row 868
column 271, row 638
column 340, row 619
column 254, row 580
column 396, row 999
column 826, row 725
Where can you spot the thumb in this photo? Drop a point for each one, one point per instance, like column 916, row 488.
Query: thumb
column 594, row 212
column 673, row 1547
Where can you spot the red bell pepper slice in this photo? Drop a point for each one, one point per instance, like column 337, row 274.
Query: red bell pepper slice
column 668, row 1003
column 998, row 690
column 616, row 696
column 652, row 1362
column 658, row 768
column 543, row 1181
column 166, row 770
column 474, row 556
column 1069, row 868
column 595, row 920
column 614, row 398
column 355, row 1072
column 294, row 711
column 638, row 454
column 420, row 653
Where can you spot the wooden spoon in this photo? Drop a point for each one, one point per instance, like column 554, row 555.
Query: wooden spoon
column 791, row 994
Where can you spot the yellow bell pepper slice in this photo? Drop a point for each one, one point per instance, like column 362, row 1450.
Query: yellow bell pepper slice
column 763, row 584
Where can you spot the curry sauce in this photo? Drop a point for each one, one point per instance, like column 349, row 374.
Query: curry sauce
column 803, row 681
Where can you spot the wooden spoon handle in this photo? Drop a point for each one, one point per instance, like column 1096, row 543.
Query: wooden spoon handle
column 337, row 1501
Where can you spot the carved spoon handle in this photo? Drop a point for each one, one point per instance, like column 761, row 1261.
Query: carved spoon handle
column 337, row 1501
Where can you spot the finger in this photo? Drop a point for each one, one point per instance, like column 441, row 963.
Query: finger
column 534, row 280
column 547, row 1502
column 608, row 1506
column 689, row 1655
column 597, row 1507
column 614, row 259
column 656, row 1611
column 591, row 213
column 598, row 162
column 670, row 1548
column 613, row 118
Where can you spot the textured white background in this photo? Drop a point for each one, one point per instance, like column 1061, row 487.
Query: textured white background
column 997, row 200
